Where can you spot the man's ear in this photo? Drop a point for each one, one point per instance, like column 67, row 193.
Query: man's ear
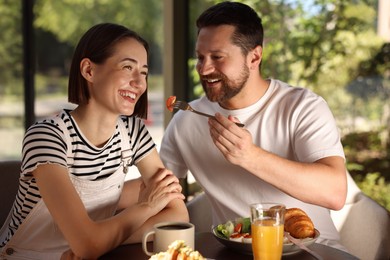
column 255, row 57
column 86, row 69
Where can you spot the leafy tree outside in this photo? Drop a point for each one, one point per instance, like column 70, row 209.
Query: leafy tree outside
column 329, row 47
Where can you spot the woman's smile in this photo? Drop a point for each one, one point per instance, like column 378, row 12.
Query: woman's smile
column 128, row 95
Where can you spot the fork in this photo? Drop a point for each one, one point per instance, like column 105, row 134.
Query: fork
column 185, row 106
column 302, row 246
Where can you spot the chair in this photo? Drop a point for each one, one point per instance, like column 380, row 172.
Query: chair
column 199, row 209
column 366, row 231
column 9, row 181
column 364, row 225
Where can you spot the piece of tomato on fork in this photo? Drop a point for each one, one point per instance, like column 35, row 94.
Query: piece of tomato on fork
column 170, row 102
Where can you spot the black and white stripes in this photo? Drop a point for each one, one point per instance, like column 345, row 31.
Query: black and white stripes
column 45, row 142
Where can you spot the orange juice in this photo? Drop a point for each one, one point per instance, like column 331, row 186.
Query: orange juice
column 267, row 239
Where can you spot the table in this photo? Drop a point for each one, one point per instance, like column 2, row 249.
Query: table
column 209, row 247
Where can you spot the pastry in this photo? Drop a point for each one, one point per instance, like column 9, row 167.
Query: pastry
column 178, row 250
column 298, row 223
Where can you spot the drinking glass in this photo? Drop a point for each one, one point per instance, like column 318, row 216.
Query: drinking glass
column 267, row 226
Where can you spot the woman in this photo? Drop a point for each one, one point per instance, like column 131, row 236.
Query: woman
column 72, row 195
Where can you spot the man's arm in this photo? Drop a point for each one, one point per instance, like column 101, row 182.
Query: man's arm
column 321, row 183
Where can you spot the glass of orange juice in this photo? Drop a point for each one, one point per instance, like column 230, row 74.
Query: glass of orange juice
column 267, row 226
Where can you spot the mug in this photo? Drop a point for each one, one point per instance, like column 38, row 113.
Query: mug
column 165, row 233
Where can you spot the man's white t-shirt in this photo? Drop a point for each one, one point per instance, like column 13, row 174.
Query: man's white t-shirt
column 291, row 122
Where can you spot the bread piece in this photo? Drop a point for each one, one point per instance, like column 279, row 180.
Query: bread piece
column 161, row 256
column 298, row 223
column 178, row 250
column 293, row 212
column 189, row 254
column 184, row 252
column 195, row 255
column 174, row 248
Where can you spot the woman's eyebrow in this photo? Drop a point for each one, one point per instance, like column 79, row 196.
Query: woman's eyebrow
column 133, row 61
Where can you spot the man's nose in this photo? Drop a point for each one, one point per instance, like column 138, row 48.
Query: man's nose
column 206, row 67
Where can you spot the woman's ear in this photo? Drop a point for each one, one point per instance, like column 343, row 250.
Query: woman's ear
column 86, row 69
column 255, row 56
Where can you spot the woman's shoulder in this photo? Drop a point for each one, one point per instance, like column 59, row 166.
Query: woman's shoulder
column 54, row 126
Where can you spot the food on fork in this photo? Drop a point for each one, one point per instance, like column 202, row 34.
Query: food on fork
column 170, row 102
column 178, row 250
column 298, row 223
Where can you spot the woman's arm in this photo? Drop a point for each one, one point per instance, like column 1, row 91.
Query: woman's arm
column 149, row 167
column 89, row 239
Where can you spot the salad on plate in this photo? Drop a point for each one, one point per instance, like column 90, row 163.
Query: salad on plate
column 236, row 234
column 239, row 230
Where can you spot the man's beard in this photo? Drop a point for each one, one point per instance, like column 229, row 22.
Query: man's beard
column 228, row 88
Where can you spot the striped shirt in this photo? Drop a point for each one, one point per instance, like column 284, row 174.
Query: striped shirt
column 45, row 142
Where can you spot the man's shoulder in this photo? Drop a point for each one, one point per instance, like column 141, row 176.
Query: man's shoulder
column 293, row 92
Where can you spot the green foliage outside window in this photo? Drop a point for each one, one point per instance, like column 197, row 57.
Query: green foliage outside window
column 375, row 186
column 329, row 47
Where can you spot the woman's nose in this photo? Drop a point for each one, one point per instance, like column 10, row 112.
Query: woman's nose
column 137, row 80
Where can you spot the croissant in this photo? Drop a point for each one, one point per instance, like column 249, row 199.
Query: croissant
column 298, row 223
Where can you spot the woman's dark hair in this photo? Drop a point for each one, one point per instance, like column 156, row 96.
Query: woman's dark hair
column 248, row 28
column 98, row 44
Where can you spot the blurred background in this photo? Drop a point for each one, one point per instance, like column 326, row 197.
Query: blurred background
column 340, row 49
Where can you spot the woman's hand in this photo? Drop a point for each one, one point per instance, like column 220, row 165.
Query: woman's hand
column 69, row 255
column 161, row 188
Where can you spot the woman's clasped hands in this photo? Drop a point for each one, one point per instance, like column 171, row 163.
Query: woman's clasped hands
column 159, row 190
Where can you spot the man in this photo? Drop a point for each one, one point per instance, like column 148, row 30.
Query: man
column 289, row 150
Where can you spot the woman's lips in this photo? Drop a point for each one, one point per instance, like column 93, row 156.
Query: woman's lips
column 128, row 94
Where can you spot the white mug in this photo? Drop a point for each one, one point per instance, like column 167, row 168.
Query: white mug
column 167, row 232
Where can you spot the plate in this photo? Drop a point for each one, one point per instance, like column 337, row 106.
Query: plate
column 246, row 248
